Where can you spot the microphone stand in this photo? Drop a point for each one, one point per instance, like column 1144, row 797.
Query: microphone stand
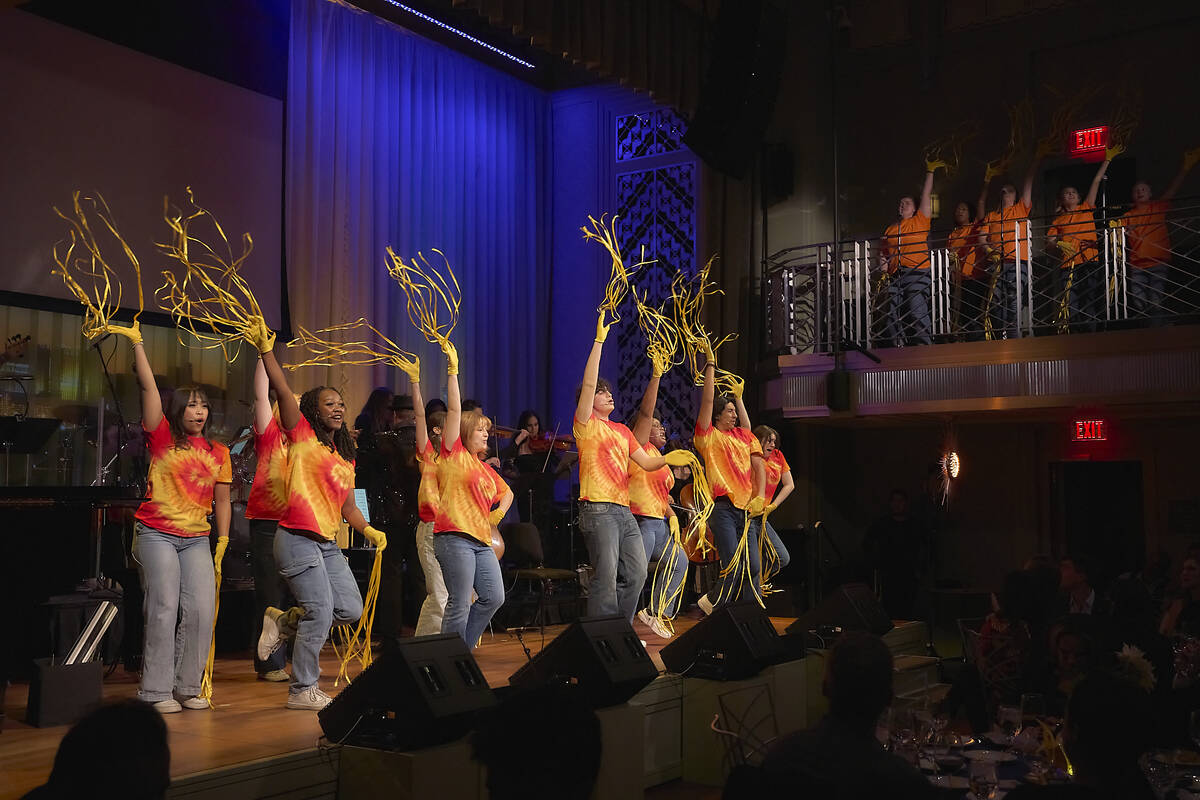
column 121, row 441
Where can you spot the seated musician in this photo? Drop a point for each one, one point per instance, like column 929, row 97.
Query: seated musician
column 534, row 459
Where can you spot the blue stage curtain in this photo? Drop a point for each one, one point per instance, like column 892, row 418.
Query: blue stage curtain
column 395, row 140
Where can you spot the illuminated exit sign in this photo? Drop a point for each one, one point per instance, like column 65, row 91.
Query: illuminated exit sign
column 1088, row 141
column 1089, row 430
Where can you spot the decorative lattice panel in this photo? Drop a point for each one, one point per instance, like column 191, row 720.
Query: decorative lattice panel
column 652, row 133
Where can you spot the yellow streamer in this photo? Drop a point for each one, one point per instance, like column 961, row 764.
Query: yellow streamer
column 206, row 680
column 1127, row 115
column 212, row 302
column 1020, row 129
column 434, row 300
column 90, row 277
column 605, row 234
column 1068, row 107
column 356, row 638
column 327, row 353
column 702, row 495
column 663, row 343
column 739, row 566
column 689, row 298
column 948, row 149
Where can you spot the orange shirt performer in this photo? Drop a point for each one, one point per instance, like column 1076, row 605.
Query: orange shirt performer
column 1006, row 243
column 265, row 506
column 906, row 249
column 612, row 535
column 963, row 244
column 733, row 461
column 429, row 444
column 472, row 499
column 1148, row 243
column 189, row 477
column 1073, row 235
column 320, row 480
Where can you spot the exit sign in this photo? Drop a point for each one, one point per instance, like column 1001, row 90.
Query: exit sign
column 1089, row 430
column 1088, row 141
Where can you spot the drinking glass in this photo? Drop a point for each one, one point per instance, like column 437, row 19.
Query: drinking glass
column 982, row 780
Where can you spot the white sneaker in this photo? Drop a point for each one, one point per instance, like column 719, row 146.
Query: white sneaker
column 196, row 703
column 705, row 604
column 168, row 706
column 310, row 699
column 654, row 624
column 271, row 637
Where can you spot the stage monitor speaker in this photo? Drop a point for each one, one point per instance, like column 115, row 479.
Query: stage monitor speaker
column 734, row 642
column 425, row 691
column 602, row 655
column 740, row 86
column 851, row 607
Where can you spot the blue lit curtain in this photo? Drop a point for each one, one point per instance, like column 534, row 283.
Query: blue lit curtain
column 392, row 139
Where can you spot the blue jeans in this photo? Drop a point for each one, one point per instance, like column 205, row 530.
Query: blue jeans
column 1146, row 292
column 910, row 304
column 1004, row 302
column 319, row 577
column 727, row 522
column 671, row 569
column 468, row 564
column 180, row 586
column 1084, row 303
column 783, row 556
column 614, row 543
column 269, row 587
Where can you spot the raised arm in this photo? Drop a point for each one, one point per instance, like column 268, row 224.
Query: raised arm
column 452, row 430
column 645, row 415
column 152, row 410
column 1189, row 160
column 591, row 374
column 926, row 208
column 1027, row 187
column 262, row 398
column 981, row 203
column 414, row 382
column 704, row 415
column 743, row 416
column 289, row 409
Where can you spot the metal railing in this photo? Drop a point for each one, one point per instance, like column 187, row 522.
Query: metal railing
column 1013, row 280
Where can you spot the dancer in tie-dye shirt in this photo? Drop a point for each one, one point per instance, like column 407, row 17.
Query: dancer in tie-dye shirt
column 320, row 480
column 472, row 499
column 189, row 478
column 429, row 444
column 779, row 477
column 613, row 538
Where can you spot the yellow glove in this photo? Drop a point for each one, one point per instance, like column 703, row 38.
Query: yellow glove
column 131, row 332
column 736, row 386
column 1068, row 247
column 770, row 507
column 755, row 507
column 1112, row 152
column 934, row 165
column 654, row 370
column 601, row 328
column 451, row 358
column 412, row 369
column 261, row 336
column 219, row 555
column 992, row 171
column 673, row 524
column 1045, row 147
column 678, row 458
column 375, row 537
column 495, row 517
column 1191, row 158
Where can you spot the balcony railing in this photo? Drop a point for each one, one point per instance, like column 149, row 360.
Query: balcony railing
column 1127, row 268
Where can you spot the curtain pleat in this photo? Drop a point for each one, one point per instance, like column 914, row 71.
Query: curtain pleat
column 395, row 140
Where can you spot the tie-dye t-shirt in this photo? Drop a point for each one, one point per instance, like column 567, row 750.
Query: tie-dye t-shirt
column 727, row 462
column 775, row 465
column 268, row 493
column 650, row 492
column 319, row 481
column 427, row 492
column 604, row 450
column 179, row 485
column 467, row 491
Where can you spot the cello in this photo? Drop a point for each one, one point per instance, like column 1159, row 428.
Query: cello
column 698, row 545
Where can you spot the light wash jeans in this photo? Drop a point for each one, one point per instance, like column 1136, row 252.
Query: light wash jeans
column 434, row 607
column 468, row 564
column 784, row 557
column 727, row 522
column 1147, row 292
column 180, row 586
column 319, row 577
column 671, row 569
column 614, row 543
column 269, row 587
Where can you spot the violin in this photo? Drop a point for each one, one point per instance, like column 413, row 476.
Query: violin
column 543, row 443
column 698, row 546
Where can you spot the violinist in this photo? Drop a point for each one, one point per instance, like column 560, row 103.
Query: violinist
column 536, row 458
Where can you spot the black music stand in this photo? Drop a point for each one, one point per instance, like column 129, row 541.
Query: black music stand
column 24, row 435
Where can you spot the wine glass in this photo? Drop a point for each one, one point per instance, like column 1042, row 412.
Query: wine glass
column 982, row 780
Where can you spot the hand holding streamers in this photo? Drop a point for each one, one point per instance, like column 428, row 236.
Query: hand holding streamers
column 698, row 344
column 605, row 234
column 946, row 152
column 89, row 276
column 378, row 349
column 212, row 302
column 662, row 337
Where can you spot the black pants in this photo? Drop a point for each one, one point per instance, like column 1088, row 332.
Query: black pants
column 401, row 581
column 270, row 589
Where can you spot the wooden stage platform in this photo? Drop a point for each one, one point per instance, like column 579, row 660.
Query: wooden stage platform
column 248, row 721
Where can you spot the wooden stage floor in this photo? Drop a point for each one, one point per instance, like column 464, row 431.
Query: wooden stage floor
column 248, row 720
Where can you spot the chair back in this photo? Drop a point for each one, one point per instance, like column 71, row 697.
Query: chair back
column 523, row 544
column 1000, row 659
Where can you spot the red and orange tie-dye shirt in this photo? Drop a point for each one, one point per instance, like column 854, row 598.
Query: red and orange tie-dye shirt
column 179, row 486
column 427, row 492
column 467, row 491
column 776, row 465
column 650, row 492
column 727, row 462
column 604, row 450
column 319, row 481
column 268, row 493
